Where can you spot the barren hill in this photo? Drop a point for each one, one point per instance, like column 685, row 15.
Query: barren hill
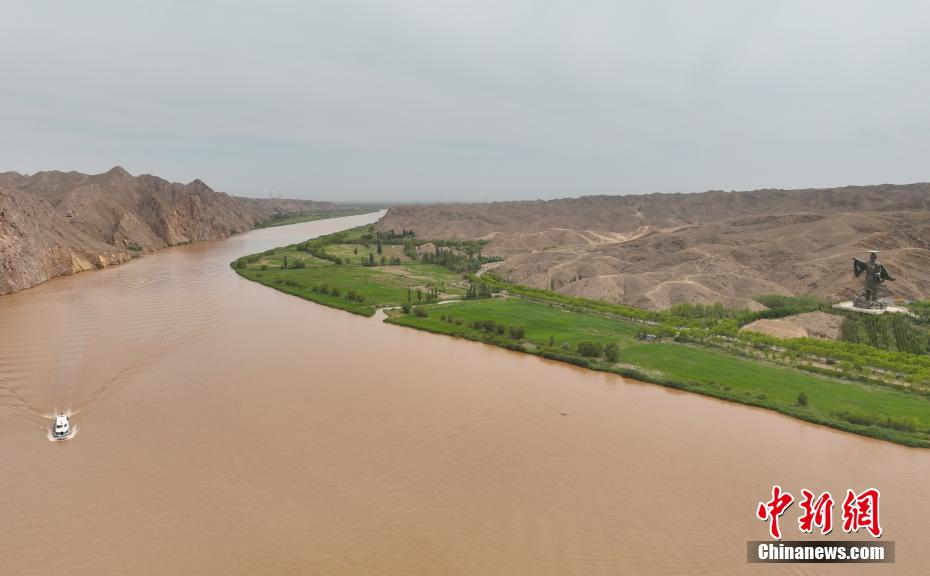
column 657, row 250
column 55, row 223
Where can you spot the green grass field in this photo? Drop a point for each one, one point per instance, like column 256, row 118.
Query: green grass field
column 379, row 286
column 540, row 320
column 555, row 330
column 355, row 252
column 701, row 370
column 323, row 215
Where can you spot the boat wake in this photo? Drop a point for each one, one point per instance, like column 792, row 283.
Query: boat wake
column 72, row 430
column 52, row 438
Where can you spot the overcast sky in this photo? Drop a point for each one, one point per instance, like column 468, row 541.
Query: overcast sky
column 462, row 100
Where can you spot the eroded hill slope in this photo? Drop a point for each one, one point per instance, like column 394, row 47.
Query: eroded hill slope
column 55, row 223
column 657, row 250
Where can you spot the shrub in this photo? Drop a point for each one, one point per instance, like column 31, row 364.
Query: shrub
column 405, row 307
column 611, row 352
column 903, row 423
column 802, row 399
column 590, row 349
column 420, row 312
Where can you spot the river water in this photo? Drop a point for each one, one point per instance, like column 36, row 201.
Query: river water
column 227, row 428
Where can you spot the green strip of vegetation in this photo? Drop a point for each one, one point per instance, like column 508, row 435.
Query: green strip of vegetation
column 691, row 347
column 584, row 339
column 284, row 218
column 886, row 350
column 350, row 272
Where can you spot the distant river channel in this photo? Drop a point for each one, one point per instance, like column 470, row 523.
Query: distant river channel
column 227, row 428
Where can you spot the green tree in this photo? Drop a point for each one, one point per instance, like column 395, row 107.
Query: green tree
column 612, row 352
column 590, row 349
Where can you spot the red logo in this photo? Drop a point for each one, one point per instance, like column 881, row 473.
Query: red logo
column 773, row 509
column 859, row 511
column 817, row 512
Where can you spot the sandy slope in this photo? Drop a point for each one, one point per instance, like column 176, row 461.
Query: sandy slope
column 815, row 324
column 660, row 249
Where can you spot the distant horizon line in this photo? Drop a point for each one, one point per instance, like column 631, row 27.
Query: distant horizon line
column 486, row 200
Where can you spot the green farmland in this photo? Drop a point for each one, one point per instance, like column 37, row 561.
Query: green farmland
column 551, row 331
column 285, row 219
column 327, row 283
column 356, row 272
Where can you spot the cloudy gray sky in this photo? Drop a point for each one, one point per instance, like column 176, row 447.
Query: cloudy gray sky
column 467, row 99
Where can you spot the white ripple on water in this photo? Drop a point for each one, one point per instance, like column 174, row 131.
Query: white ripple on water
column 57, row 360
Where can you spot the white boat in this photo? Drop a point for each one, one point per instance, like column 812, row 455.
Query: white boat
column 62, row 428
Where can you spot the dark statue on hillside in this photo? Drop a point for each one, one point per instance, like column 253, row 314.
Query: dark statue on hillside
column 875, row 276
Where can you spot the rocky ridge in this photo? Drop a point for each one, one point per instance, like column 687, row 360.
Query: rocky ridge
column 56, row 223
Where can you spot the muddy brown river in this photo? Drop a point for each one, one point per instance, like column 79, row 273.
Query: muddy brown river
column 227, row 428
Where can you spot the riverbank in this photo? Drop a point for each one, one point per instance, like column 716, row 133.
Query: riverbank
column 356, row 447
column 56, row 223
column 285, row 218
column 348, row 271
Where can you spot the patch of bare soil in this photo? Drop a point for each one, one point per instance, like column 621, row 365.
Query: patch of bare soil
column 813, row 324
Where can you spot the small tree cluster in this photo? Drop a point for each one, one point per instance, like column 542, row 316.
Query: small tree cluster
column 354, row 296
column 493, row 327
column 477, row 290
column 451, row 320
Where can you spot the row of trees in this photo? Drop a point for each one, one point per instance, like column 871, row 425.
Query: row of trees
column 850, row 357
column 375, row 238
column 477, row 289
column 455, row 261
column 350, row 295
column 494, row 327
column 887, row 332
column 590, row 349
column 431, row 294
column 383, row 261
